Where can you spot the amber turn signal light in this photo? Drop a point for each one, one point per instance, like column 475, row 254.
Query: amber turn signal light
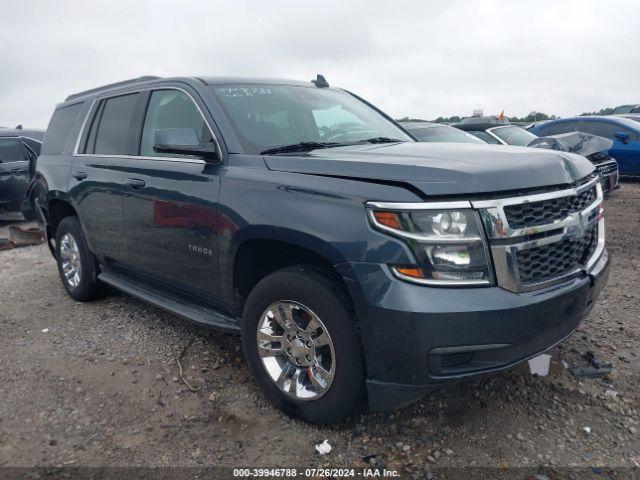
column 412, row 272
column 388, row 219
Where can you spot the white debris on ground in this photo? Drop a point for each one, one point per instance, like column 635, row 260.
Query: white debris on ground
column 587, row 429
column 540, row 365
column 610, row 393
column 45, row 330
column 324, row 447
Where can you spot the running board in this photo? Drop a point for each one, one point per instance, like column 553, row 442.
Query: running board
column 171, row 303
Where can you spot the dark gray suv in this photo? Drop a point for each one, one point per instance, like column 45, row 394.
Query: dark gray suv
column 359, row 265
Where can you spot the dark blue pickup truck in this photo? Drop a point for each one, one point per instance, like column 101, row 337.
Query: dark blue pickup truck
column 360, row 266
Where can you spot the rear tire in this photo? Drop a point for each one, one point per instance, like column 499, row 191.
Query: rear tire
column 77, row 266
column 319, row 376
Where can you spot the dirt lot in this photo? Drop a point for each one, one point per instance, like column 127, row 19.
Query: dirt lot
column 97, row 384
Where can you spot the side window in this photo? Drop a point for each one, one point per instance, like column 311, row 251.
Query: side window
column 59, row 129
column 486, row 137
column 111, row 128
column 12, row 150
column 558, row 128
column 603, row 129
column 171, row 109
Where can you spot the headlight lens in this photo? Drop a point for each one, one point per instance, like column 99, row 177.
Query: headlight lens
column 448, row 244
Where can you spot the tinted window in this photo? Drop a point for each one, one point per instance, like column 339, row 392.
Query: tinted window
column 624, row 109
column 266, row 116
column 171, row 109
column 11, row 150
column 114, row 125
column 514, row 135
column 60, row 128
column 604, row 129
column 484, row 136
column 560, row 127
column 444, row 134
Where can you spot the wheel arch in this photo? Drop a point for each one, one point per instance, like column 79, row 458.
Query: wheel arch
column 260, row 251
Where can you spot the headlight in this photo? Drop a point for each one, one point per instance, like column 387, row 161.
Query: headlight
column 448, row 244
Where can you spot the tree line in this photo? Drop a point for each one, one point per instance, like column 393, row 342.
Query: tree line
column 531, row 117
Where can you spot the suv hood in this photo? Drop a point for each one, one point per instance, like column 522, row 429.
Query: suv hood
column 441, row 168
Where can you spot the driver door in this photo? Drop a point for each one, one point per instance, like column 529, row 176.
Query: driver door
column 14, row 174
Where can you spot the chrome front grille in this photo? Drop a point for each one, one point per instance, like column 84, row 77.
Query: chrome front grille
column 607, row 168
column 546, row 262
column 543, row 239
column 547, row 211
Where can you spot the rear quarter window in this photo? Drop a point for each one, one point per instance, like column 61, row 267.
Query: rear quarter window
column 60, row 127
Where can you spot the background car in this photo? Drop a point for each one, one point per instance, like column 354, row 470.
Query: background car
column 631, row 116
column 479, row 126
column 586, row 145
column 633, row 108
column 19, row 149
column 624, row 133
column 436, row 132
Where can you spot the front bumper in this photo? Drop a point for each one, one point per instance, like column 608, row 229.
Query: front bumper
column 416, row 338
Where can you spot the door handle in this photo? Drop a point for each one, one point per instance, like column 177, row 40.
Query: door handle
column 79, row 175
column 19, row 170
column 134, row 183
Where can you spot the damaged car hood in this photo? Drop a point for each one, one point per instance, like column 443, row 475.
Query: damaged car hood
column 574, row 142
column 441, row 168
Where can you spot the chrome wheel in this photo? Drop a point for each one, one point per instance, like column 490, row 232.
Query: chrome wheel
column 70, row 260
column 296, row 350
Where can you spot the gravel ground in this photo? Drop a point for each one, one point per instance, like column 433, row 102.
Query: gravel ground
column 97, row 384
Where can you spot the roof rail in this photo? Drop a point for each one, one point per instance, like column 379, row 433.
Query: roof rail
column 112, row 85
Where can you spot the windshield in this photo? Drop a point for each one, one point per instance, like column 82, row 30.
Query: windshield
column 269, row 116
column 514, row 135
column 444, row 134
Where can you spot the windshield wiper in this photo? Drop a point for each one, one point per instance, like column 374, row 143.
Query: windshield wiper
column 299, row 147
column 383, row 140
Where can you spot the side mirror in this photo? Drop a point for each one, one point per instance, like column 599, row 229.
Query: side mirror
column 622, row 136
column 182, row 141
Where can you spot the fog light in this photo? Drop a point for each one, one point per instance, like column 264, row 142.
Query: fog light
column 451, row 255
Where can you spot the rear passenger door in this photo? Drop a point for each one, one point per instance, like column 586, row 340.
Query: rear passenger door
column 170, row 205
column 14, row 174
column 96, row 182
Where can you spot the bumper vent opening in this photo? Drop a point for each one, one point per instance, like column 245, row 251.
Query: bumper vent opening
column 453, row 360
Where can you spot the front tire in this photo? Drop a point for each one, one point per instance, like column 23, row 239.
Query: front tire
column 76, row 264
column 301, row 345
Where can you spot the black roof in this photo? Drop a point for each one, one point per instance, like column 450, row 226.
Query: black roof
column 476, row 127
column 36, row 134
column 204, row 80
column 251, row 81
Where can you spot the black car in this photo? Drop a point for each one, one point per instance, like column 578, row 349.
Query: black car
column 19, row 149
column 632, row 108
column 359, row 265
column 437, row 132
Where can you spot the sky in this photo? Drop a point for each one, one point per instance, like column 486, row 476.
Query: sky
column 420, row 59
